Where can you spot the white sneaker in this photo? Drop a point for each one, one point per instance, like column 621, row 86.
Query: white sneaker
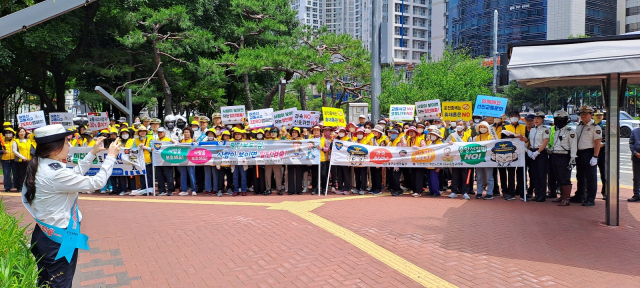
column 150, row 191
column 305, row 189
column 414, row 194
column 250, row 189
column 465, row 196
column 194, row 193
column 403, row 188
column 362, row 192
column 333, row 189
column 163, row 194
column 103, row 192
column 183, row 193
column 123, row 193
column 453, row 195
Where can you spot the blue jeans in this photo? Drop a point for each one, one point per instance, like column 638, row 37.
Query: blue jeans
column 240, row 173
column 483, row 173
column 9, row 170
column 210, row 177
column 187, row 172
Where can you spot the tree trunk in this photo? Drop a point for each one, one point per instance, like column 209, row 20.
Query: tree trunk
column 160, row 111
column 283, row 89
column 303, row 98
column 323, row 94
column 247, row 91
column 165, row 85
column 269, row 97
column 333, row 96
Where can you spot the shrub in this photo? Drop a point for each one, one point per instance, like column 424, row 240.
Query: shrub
column 18, row 267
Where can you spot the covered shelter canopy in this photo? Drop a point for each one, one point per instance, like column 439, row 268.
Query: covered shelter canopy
column 608, row 62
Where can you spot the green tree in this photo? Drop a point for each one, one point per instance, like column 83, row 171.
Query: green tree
column 456, row 76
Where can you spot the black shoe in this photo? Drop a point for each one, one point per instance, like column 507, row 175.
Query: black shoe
column 479, row 196
column 170, row 194
column 290, row 193
column 588, row 203
column 267, row 193
column 488, row 197
column 509, row 197
column 299, row 193
column 377, row 192
column 635, row 198
column 435, row 195
column 472, row 193
column 280, row 192
column 552, row 195
column 540, row 199
column 575, row 199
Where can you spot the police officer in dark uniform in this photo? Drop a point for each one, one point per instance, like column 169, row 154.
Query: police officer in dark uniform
column 597, row 118
column 538, row 140
column 562, row 155
column 588, row 136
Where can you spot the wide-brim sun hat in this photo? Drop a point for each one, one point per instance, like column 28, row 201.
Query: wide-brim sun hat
column 52, row 133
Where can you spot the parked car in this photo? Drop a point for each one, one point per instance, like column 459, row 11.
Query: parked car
column 574, row 118
column 627, row 124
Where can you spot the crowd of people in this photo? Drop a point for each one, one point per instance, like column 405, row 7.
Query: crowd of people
column 552, row 152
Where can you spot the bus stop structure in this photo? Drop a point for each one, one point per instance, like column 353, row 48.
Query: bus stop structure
column 609, row 62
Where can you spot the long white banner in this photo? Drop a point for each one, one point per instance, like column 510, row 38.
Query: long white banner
column 130, row 162
column 494, row 153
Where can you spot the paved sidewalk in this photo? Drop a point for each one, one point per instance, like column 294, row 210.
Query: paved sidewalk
column 351, row 241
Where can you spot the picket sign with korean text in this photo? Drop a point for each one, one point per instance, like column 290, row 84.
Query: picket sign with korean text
column 260, row 118
column 98, row 120
column 427, row 110
column 490, row 106
column 333, row 117
column 232, row 114
column 307, row 119
column 401, row 112
column 66, row 119
column 32, row 120
column 284, row 117
column 452, row 111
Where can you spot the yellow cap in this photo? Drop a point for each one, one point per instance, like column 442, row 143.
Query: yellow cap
column 6, row 124
column 194, row 122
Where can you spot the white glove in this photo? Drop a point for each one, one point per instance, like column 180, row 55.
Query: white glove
column 593, row 161
column 529, row 153
column 534, row 155
column 233, row 168
column 245, row 166
column 218, row 167
column 396, row 169
column 573, row 161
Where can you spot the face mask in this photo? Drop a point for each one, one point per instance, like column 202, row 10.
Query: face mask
column 514, row 120
column 453, row 125
column 352, row 129
column 135, row 136
column 171, row 125
column 229, row 127
column 420, row 130
column 360, row 136
column 483, row 130
column 434, row 138
column 196, row 129
column 125, row 136
column 367, row 131
column 405, row 130
column 393, row 136
column 210, row 137
column 342, row 134
column 8, row 135
column 459, row 128
column 259, row 136
column 476, row 120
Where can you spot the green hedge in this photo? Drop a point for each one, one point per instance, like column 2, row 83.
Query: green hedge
column 18, row 267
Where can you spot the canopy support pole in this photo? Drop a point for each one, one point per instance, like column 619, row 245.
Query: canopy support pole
column 612, row 89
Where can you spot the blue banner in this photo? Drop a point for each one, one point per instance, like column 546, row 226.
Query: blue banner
column 490, row 106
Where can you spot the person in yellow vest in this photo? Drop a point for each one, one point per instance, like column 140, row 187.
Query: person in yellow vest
column 217, row 119
column 225, row 170
column 361, row 172
column 420, row 128
column 8, row 164
column 112, row 123
column 325, row 157
column 143, row 142
column 164, row 174
column 239, row 171
column 351, row 130
column 484, row 174
column 146, row 122
column 461, row 177
column 22, row 149
column 343, row 172
column 394, row 173
column 210, row 171
column 256, row 173
column 187, row 173
column 416, row 180
column 509, row 176
column 275, row 170
column 120, row 183
column 433, row 174
column 295, row 172
column 379, row 139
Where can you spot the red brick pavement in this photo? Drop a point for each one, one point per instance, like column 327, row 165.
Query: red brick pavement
column 472, row 243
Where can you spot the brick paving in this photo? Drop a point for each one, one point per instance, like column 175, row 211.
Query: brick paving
column 202, row 243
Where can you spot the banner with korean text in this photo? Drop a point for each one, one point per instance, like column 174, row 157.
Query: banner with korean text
column 283, row 152
column 66, row 119
column 490, row 106
column 333, row 117
column 429, row 109
column 494, row 153
column 32, row 120
column 284, row 117
column 401, row 112
column 130, row 162
column 453, row 111
column 98, row 120
column 232, row 114
column 303, row 118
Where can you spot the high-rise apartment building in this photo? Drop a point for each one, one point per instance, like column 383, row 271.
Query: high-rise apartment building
column 310, row 12
column 632, row 16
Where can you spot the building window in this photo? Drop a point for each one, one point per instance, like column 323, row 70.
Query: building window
column 631, row 11
column 399, row 18
column 399, row 31
column 400, row 54
column 404, row 43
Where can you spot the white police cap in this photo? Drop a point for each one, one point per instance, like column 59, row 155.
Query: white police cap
column 52, row 133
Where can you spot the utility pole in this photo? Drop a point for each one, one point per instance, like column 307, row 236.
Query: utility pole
column 376, row 86
column 495, row 52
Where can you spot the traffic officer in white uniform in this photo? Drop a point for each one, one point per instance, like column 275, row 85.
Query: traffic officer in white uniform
column 50, row 194
column 588, row 135
column 538, row 140
column 562, row 155
column 173, row 132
